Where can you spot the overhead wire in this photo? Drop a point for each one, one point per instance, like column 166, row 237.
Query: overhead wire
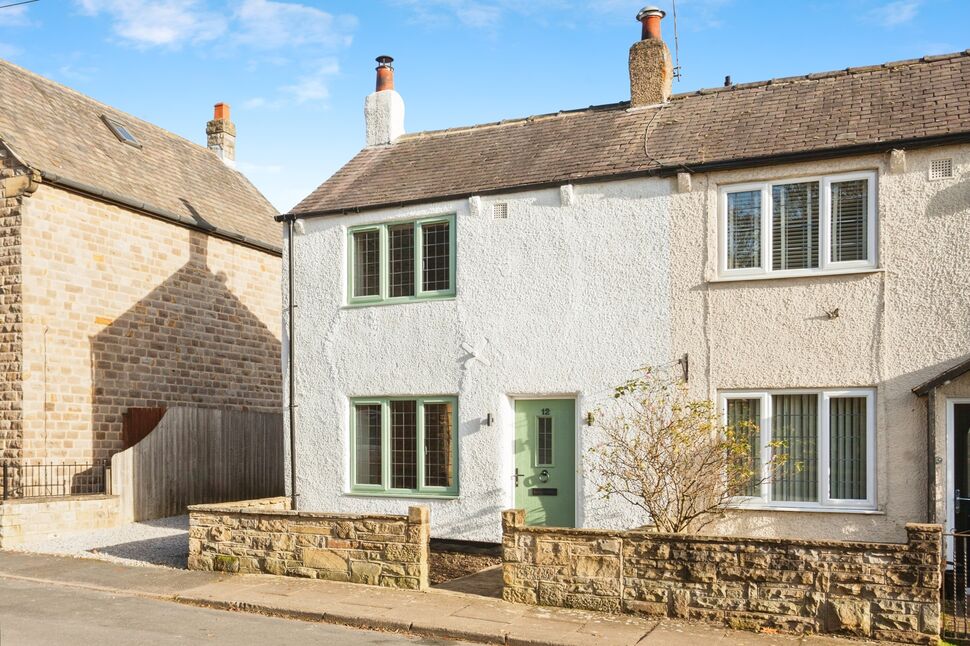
column 17, row 4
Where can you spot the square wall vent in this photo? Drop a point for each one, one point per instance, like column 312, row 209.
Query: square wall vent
column 941, row 169
column 500, row 210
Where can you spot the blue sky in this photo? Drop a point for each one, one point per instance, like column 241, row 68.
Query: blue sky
column 296, row 73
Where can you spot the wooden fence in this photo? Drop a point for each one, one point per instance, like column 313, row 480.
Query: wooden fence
column 198, row 456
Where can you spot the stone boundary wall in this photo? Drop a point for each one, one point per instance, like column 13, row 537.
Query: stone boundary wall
column 25, row 520
column 881, row 591
column 266, row 536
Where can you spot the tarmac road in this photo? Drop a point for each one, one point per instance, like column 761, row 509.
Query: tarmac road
column 43, row 614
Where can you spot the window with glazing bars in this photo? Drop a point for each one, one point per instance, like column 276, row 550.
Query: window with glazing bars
column 827, row 438
column 403, row 261
column 799, row 226
column 404, row 445
column 744, row 417
column 544, row 441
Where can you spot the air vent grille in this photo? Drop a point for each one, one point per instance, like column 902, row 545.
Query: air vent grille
column 941, row 169
column 500, row 210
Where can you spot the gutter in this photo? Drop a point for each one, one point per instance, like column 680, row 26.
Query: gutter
column 658, row 171
column 154, row 211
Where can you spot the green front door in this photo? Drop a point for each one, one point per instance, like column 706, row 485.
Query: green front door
column 545, row 461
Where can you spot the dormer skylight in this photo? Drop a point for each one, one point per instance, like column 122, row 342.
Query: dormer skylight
column 120, row 131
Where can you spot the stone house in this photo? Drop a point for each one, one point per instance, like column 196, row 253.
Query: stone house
column 796, row 245
column 139, row 270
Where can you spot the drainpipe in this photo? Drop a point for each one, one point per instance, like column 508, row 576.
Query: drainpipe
column 290, row 220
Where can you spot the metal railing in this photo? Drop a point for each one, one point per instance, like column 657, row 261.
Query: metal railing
column 56, row 480
column 955, row 622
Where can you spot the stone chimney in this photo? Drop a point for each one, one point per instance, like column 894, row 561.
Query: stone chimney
column 651, row 66
column 384, row 108
column 221, row 134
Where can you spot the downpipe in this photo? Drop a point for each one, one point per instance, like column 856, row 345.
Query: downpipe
column 290, row 220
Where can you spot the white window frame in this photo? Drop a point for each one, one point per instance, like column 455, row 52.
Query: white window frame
column 825, row 263
column 825, row 501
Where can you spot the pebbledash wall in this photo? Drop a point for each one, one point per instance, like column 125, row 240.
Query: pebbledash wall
column 124, row 310
column 883, row 591
column 553, row 302
column 578, row 288
column 266, row 536
column 897, row 327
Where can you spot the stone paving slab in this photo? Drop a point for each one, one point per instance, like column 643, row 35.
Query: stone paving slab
column 434, row 613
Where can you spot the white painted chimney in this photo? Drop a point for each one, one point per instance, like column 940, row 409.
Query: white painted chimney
column 384, row 109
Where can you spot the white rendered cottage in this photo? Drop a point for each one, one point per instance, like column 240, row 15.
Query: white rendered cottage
column 464, row 298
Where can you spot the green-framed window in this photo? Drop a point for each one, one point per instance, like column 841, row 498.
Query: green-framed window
column 404, row 445
column 401, row 261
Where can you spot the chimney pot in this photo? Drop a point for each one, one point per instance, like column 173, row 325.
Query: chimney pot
column 385, row 73
column 650, row 18
column 221, row 112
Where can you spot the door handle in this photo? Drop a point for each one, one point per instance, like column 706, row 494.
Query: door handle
column 517, row 476
column 957, row 500
column 544, row 475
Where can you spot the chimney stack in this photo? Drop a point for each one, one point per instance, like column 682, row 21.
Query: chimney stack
column 651, row 66
column 221, row 135
column 384, row 108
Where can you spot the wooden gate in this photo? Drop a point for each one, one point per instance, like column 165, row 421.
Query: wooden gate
column 197, row 456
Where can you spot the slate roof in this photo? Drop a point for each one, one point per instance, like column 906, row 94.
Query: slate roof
column 843, row 112
column 55, row 130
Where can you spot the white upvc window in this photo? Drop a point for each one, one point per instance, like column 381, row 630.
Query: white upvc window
column 801, row 226
column 828, row 437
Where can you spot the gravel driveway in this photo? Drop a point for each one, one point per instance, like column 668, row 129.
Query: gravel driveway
column 161, row 543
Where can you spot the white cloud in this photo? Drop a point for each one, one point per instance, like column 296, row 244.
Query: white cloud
column 315, row 85
column 153, row 23
column 468, row 12
column 489, row 13
column 482, row 13
column 895, row 13
column 269, row 25
column 312, row 87
column 78, row 73
column 9, row 51
column 255, row 103
column 14, row 16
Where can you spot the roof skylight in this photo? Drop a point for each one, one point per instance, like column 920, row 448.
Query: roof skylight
column 120, row 131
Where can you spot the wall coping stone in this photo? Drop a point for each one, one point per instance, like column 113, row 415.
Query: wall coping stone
column 43, row 500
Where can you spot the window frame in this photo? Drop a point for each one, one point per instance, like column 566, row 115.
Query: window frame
column 825, row 262
column 825, row 501
column 383, row 292
column 552, row 446
column 121, row 130
column 385, row 488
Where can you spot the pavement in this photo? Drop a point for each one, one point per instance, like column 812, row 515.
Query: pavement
column 433, row 614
